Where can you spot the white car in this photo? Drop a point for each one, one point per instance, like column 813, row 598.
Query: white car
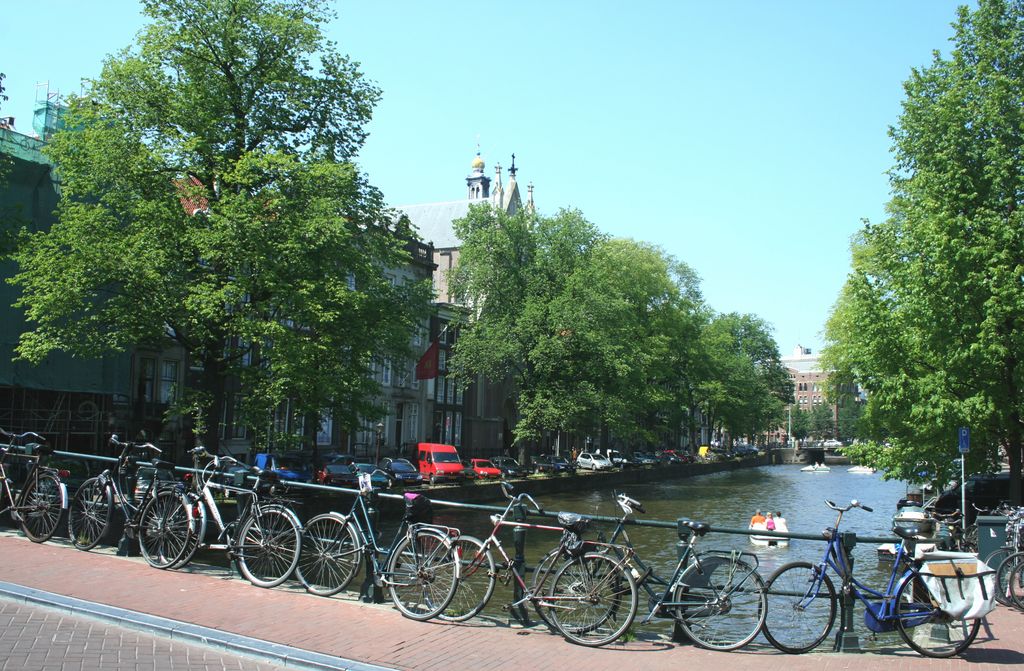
column 832, row 442
column 593, row 461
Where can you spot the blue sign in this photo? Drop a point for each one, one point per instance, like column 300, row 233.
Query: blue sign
column 965, row 440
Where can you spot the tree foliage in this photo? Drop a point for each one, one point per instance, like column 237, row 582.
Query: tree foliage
column 208, row 197
column 604, row 336
column 929, row 322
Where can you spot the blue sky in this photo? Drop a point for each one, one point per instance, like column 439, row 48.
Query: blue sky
column 748, row 139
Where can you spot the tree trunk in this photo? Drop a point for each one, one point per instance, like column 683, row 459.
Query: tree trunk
column 213, row 384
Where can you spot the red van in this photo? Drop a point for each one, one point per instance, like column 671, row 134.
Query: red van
column 439, row 462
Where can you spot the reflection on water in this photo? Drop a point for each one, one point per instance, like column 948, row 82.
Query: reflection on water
column 727, row 500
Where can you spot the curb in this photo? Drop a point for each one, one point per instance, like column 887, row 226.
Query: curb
column 276, row 653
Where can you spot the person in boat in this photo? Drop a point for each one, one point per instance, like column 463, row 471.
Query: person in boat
column 769, row 522
column 780, row 522
column 758, row 518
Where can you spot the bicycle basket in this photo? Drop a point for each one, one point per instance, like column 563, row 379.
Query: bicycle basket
column 961, row 585
column 418, row 509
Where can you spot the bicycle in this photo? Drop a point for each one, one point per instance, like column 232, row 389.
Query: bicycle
column 590, row 599
column 161, row 506
column 802, row 600
column 716, row 597
column 264, row 539
column 1006, row 558
column 419, row 567
column 42, row 499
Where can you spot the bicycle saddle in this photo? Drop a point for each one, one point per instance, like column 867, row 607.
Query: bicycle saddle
column 573, row 521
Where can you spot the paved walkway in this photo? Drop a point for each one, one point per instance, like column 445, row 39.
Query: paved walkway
column 36, row 638
column 345, row 629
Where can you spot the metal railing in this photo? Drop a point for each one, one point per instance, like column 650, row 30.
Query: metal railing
column 846, row 638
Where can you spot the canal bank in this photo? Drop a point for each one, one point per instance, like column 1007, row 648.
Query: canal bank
column 582, row 481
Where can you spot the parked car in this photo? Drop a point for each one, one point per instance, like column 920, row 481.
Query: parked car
column 832, row 442
column 620, row 460
column 378, row 478
column 984, row 491
column 593, row 461
column 644, row 458
column 468, row 474
column 485, row 469
column 553, row 464
column 439, row 462
column 287, row 466
column 669, row 457
column 510, row 467
column 402, row 472
column 338, row 474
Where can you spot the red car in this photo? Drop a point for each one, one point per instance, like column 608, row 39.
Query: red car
column 484, row 469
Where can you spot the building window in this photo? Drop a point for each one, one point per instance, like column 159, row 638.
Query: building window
column 168, row 381
column 457, row 430
column 386, row 373
column 442, row 361
column 147, row 373
column 412, row 430
column 350, row 279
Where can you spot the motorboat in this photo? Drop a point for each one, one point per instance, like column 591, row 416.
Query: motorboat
column 864, row 470
column 816, row 468
column 767, row 541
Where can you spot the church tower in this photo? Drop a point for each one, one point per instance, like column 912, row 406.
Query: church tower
column 478, row 184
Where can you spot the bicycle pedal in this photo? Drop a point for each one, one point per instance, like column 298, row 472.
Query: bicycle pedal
column 16, row 516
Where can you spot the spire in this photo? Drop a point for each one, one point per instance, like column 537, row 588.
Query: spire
column 529, row 199
column 512, row 170
column 477, row 185
column 499, row 192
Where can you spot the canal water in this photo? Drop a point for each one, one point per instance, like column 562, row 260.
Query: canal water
column 727, row 500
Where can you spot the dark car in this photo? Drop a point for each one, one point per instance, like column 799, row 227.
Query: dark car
column 402, row 472
column 509, row 467
column 378, row 478
column 292, row 467
column 338, row 475
column 467, row 471
column 644, row 458
column 669, row 457
column 551, row 463
column 983, row 491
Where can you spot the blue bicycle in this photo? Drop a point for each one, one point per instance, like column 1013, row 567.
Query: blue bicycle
column 802, row 601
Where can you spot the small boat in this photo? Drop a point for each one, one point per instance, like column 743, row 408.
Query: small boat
column 866, row 470
column 816, row 468
column 767, row 541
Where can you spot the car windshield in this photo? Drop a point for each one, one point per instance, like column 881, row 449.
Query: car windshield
column 338, row 468
column 289, row 462
column 365, row 468
column 401, row 467
column 483, row 463
column 446, row 458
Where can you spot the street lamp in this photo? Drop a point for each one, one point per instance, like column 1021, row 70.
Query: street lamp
column 380, row 438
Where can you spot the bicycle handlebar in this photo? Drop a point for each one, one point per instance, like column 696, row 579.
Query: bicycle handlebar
column 853, row 504
column 22, row 436
column 128, row 445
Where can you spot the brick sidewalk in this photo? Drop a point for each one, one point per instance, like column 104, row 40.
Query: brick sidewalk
column 34, row 638
column 377, row 634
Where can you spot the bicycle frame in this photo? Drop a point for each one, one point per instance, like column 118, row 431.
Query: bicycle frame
column 662, row 602
column 34, row 469
column 836, row 559
column 224, row 531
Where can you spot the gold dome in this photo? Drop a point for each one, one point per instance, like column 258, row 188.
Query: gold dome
column 478, row 163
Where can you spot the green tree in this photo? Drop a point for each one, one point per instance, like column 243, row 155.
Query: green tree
column 822, row 421
column 929, row 322
column 801, row 423
column 530, row 322
column 850, row 414
column 745, row 386
column 209, row 198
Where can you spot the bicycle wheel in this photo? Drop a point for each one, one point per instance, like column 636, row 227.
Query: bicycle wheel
column 1003, row 570
column 331, row 555
column 197, row 533
column 40, row 505
column 1015, row 586
column 268, row 546
column 927, row 629
column 970, row 539
column 592, row 600
column 724, row 603
column 422, row 574
column 543, row 578
column 164, row 528
column 89, row 514
column 801, row 607
column 476, row 580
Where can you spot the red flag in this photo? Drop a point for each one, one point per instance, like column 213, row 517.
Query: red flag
column 426, row 367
